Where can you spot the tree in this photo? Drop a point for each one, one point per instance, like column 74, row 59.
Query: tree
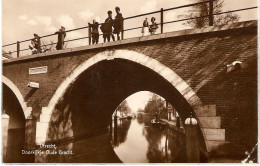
column 124, row 108
column 155, row 104
column 203, row 10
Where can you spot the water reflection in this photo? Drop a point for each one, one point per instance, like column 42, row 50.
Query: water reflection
column 15, row 146
column 96, row 149
column 122, row 130
column 136, row 142
column 147, row 144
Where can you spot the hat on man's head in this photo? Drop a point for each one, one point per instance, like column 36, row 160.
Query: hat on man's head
column 109, row 12
column 117, row 8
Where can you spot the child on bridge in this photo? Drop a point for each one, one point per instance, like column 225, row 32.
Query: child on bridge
column 94, row 31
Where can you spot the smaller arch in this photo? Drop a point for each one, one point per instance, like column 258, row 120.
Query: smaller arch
column 26, row 110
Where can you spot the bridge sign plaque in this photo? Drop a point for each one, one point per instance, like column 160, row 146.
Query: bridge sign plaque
column 38, row 70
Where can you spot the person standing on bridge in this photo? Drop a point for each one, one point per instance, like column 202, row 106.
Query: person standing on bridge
column 94, row 31
column 103, row 28
column 145, row 29
column 153, row 27
column 118, row 23
column 36, row 44
column 61, row 36
column 106, row 27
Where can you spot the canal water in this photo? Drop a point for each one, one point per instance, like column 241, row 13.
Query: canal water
column 136, row 141
column 139, row 142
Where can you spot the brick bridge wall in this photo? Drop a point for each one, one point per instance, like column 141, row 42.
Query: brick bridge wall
column 198, row 56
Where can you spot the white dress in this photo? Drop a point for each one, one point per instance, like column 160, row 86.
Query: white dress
column 145, row 31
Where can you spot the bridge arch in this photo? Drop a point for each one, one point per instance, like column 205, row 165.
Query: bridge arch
column 26, row 110
column 142, row 59
column 124, row 55
column 16, row 108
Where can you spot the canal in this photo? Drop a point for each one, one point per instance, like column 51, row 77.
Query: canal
column 136, row 141
column 139, row 142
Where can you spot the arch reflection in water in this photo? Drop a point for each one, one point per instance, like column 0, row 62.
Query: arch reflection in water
column 145, row 144
column 122, row 130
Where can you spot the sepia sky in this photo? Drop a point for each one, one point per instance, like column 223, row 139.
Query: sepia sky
column 22, row 18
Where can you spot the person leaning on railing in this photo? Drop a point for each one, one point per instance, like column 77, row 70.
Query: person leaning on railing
column 94, row 31
column 153, row 27
column 61, row 35
column 36, row 44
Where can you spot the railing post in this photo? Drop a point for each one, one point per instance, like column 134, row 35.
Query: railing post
column 122, row 32
column 161, row 20
column 39, row 45
column 89, row 35
column 18, row 48
column 211, row 18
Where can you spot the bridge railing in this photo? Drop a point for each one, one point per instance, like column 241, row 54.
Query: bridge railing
column 210, row 16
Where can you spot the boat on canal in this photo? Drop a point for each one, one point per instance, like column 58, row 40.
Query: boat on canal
column 158, row 123
column 155, row 123
column 122, row 117
column 129, row 117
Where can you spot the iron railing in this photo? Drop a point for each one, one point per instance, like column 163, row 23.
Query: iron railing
column 162, row 23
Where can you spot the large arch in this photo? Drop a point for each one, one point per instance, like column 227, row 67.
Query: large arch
column 26, row 110
column 142, row 59
column 163, row 71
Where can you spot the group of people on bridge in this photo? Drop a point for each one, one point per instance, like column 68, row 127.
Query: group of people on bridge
column 149, row 28
column 109, row 28
column 36, row 42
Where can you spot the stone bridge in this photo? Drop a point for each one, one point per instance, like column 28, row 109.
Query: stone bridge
column 79, row 88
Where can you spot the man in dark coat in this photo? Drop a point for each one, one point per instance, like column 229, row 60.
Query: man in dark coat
column 94, row 31
column 118, row 23
column 61, row 36
column 106, row 27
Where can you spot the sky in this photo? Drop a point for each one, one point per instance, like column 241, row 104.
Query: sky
column 22, row 18
column 138, row 100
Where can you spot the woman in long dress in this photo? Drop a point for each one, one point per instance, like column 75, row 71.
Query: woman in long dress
column 153, row 26
column 145, row 29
